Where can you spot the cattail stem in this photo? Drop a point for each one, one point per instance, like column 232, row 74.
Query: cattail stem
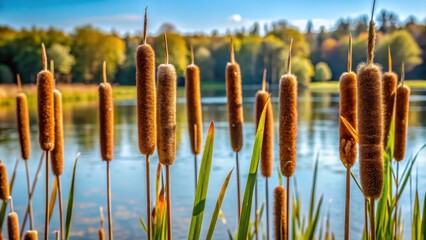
column 166, row 48
column 287, row 212
column 195, row 170
column 18, row 80
column 371, row 37
column 256, row 218
column 46, row 217
column 396, row 202
column 232, row 51
column 169, row 204
column 109, row 198
column 347, row 202
column 289, row 58
column 148, row 197
column 267, row 207
column 43, row 57
column 33, row 186
column 57, row 233
column 366, row 218
column 195, row 143
column 389, row 60
column 238, row 186
column 350, row 54
column 61, row 216
column 30, row 206
column 145, row 25
column 372, row 219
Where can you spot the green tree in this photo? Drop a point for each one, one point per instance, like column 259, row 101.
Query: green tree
column 64, row 61
column 303, row 69
column 322, row 72
column 6, row 75
column 204, row 60
column 178, row 51
column 248, row 54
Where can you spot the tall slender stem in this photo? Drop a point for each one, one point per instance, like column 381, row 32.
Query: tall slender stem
column 169, row 204
column 238, row 186
column 372, row 221
column 267, row 207
column 109, row 202
column 366, row 218
column 348, row 202
column 256, row 217
column 396, row 202
column 61, row 215
column 30, row 205
column 195, row 170
column 287, row 210
column 46, row 217
column 148, row 197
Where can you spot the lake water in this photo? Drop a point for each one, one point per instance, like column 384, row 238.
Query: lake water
column 317, row 134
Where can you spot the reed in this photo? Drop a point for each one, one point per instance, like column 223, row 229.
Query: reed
column 266, row 155
column 4, row 183
column 106, row 118
column 23, row 121
column 31, row 235
column 235, row 112
column 194, row 111
column 370, row 125
column 146, row 107
column 288, row 126
column 13, row 223
column 166, row 122
column 280, row 211
column 389, row 90
column 348, row 147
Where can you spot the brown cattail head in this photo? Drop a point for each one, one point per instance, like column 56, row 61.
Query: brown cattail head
column 389, row 89
column 31, row 235
column 101, row 234
column 280, row 211
column 46, row 120
column 106, row 117
column 267, row 155
column 235, row 102
column 166, row 112
column 146, row 99
column 4, row 183
column 288, row 122
column 193, row 101
column 348, row 101
column 58, row 152
column 23, row 121
column 13, row 226
column 401, row 118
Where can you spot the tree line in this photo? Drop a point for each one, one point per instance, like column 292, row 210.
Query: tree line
column 317, row 56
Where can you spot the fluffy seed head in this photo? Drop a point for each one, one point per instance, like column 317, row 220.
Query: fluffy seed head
column 106, row 117
column 235, row 102
column 267, row 155
column 46, row 120
column 146, row 99
column 4, row 183
column 31, row 235
column 166, row 113
column 13, row 226
column 193, row 101
column 101, row 234
column 401, row 120
column 23, row 121
column 280, row 210
column 58, row 152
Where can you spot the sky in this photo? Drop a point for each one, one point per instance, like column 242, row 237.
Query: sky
column 126, row 16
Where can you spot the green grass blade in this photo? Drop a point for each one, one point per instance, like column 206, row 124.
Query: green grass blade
column 423, row 233
column 218, row 206
column 314, row 184
column 202, row 187
column 4, row 204
column 70, row 200
column 53, row 195
column 313, row 223
column 143, row 225
column 251, row 179
column 407, row 176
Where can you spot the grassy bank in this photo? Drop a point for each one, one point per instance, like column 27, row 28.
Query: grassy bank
column 88, row 93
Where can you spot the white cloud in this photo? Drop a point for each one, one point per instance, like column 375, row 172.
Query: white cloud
column 236, row 18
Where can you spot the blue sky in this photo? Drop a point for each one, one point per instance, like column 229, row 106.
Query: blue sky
column 192, row 16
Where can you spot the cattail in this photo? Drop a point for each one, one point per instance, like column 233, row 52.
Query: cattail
column 31, row 235
column 46, row 120
column 280, row 221
column 401, row 118
column 235, row 101
column 288, row 120
column 370, row 122
column 193, row 101
column 106, row 116
column 146, row 100
column 23, row 121
column 58, row 152
column 101, row 233
column 4, row 183
column 389, row 88
column 166, row 111
column 266, row 158
column 348, row 94
column 13, row 226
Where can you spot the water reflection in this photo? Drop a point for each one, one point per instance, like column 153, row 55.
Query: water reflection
column 318, row 132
